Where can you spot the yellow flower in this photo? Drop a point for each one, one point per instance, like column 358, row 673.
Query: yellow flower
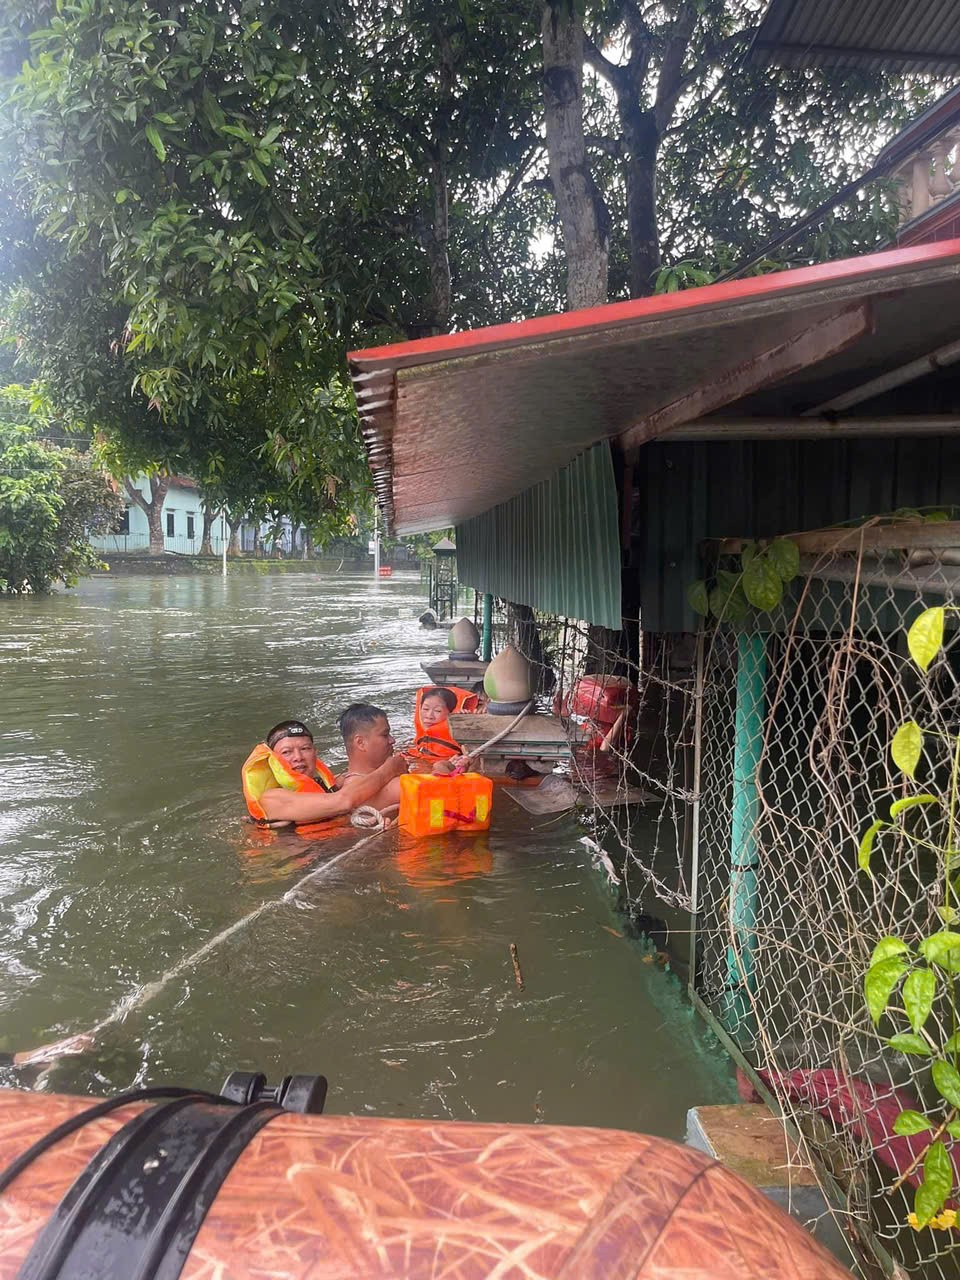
column 942, row 1222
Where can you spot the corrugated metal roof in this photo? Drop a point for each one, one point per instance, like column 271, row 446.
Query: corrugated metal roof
column 457, row 424
column 555, row 547
column 903, row 35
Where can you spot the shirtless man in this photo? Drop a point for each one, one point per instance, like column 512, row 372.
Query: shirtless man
column 369, row 745
column 293, row 742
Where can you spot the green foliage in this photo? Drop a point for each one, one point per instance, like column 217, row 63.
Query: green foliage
column 764, row 569
column 926, row 975
column 51, row 498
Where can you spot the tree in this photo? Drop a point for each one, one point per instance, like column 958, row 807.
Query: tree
column 152, row 509
column 51, row 500
column 684, row 151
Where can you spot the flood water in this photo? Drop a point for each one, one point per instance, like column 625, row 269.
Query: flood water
column 126, row 709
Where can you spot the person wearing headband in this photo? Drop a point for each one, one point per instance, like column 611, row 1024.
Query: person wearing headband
column 320, row 798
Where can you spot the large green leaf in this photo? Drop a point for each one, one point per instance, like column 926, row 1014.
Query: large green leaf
column 153, row 137
column 942, row 948
column 887, row 947
column 925, row 637
column 907, row 1042
column 698, row 597
column 906, row 747
column 918, row 992
column 762, row 585
column 879, row 982
column 785, row 558
column 947, row 1080
column 908, row 1123
column 934, row 1190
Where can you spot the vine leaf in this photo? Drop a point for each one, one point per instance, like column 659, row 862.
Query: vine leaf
column 866, row 849
column 698, row 598
column 942, row 948
column 906, row 747
column 926, row 636
column 762, row 585
column 907, row 1042
column 953, row 1128
column 918, row 992
column 888, row 947
column 936, row 1185
column 908, row 1123
column 911, row 802
column 946, row 1077
column 878, row 985
column 953, row 1044
column 785, row 558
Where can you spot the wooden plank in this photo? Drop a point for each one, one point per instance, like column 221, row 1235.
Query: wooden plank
column 903, row 535
column 806, row 347
column 472, row 728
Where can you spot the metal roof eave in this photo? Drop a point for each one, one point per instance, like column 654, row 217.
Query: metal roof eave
column 425, row 430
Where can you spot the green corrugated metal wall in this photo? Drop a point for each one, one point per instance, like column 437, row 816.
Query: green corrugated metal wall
column 555, row 547
column 688, row 492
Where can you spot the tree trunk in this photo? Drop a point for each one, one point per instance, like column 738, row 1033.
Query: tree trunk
column 435, row 240
column 583, row 214
column 257, row 542
column 206, row 541
column 234, row 524
column 153, row 509
column 641, row 142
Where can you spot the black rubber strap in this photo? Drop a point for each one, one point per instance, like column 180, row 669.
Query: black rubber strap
column 135, row 1210
column 169, row 1245
column 16, row 1167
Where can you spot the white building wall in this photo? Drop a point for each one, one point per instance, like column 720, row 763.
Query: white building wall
column 182, row 518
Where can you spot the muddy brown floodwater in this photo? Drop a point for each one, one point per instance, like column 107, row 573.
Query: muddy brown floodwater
column 126, row 708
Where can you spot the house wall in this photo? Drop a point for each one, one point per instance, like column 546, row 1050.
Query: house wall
column 685, row 493
column 180, row 502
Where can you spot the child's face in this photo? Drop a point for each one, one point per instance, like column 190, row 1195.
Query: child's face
column 432, row 711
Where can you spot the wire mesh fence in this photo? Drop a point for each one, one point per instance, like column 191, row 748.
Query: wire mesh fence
column 797, row 715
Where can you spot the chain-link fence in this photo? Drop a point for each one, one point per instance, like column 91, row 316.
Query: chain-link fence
column 796, row 714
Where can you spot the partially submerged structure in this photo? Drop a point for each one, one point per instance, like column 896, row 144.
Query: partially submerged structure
column 595, row 464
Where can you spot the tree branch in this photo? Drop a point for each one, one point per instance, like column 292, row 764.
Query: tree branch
column 593, row 56
column 670, row 82
column 135, row 494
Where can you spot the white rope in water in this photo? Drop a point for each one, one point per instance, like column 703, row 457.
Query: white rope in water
column 140, row 996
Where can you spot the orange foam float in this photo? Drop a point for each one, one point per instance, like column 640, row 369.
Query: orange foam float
column 432, row 804
column 349, row 1198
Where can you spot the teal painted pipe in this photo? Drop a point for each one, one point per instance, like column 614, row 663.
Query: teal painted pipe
column 486, row 634
column 747, row 749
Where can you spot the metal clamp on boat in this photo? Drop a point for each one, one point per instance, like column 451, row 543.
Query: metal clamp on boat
column 136, row 1208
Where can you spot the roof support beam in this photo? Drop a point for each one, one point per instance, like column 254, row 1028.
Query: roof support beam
column 930, row 424
column 914, row 369
column 804, row 348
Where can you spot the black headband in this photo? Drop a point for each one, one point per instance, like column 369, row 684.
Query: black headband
column 287, row 729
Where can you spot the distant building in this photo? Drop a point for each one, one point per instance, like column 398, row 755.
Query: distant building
column 182, row 517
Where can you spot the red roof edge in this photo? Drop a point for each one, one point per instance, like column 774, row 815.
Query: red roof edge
column 568, row 323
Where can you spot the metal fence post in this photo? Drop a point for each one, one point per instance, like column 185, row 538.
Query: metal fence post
column 698, row 684
column 747, row 748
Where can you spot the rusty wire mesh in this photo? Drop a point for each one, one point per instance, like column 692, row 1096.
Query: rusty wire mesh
column 785, row 921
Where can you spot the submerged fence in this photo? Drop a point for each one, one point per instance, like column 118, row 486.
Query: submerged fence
column 765, row 754
column 792, row 894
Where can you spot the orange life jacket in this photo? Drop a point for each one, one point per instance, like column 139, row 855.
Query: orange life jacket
column 264, row 770
column 437, row 742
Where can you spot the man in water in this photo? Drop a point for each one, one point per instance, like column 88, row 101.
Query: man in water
column 292, row 741
column 369, row 744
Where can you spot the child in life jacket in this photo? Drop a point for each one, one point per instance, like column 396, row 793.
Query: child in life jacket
column 434, row 744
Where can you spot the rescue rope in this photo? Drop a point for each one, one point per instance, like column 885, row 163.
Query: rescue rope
column 139, row 996
column 468, row 759
column 366, row 817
